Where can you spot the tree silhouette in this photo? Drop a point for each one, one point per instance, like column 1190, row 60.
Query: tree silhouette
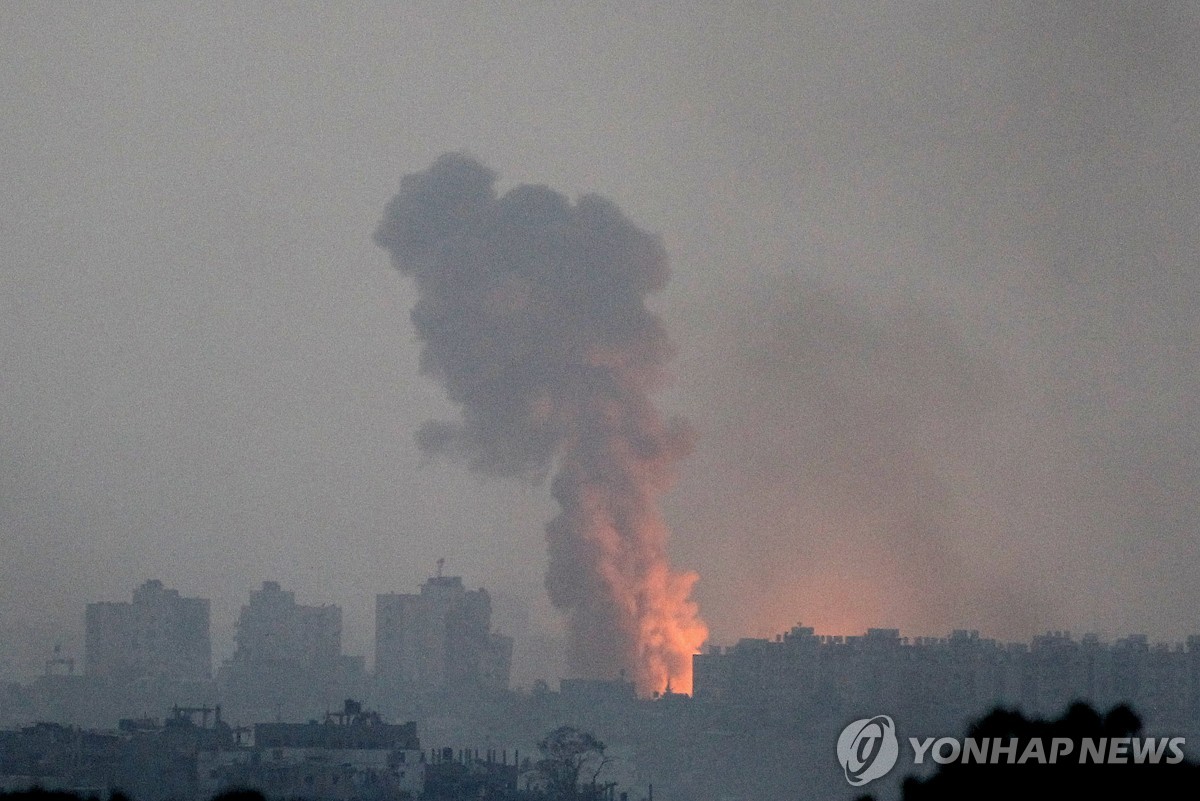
column 569, row 755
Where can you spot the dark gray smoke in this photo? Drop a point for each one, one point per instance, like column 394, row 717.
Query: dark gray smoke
column 981, row 407
column 532, row 317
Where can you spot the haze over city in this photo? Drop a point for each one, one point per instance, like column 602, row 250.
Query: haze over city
column 933, row 297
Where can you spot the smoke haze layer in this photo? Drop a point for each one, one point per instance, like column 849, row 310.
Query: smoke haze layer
column 532, row 316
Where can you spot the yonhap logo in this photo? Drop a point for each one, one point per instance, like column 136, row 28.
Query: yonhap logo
column 868, row 749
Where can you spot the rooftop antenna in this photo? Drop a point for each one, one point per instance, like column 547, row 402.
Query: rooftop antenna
column 59, row 662
column 440, row 564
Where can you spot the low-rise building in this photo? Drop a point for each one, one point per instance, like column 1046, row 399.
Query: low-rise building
column 351, row 756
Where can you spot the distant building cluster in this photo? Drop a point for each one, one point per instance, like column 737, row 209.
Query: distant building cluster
column 288, row 656
column 762, row 721
column 753, row 727
column 963, row 672
column 439, row 642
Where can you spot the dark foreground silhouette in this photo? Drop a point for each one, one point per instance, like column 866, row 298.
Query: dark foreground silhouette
column 38, row 794
column 568, row 753
column 1067, row 777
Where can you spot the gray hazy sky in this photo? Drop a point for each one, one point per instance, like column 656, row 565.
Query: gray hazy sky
column 935, row 295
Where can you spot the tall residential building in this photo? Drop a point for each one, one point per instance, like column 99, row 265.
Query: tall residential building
column 287, row 652
column 274, row 629
column 159, row 635
column 440, row 639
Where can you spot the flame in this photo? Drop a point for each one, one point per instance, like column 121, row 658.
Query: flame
column 671, row 634
column 610, row 506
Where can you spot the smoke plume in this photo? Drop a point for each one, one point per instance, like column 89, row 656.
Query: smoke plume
column 532, row 316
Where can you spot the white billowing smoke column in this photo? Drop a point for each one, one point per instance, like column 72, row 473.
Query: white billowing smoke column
column 532, row 315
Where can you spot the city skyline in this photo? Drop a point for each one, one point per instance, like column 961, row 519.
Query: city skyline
column 387, row 610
